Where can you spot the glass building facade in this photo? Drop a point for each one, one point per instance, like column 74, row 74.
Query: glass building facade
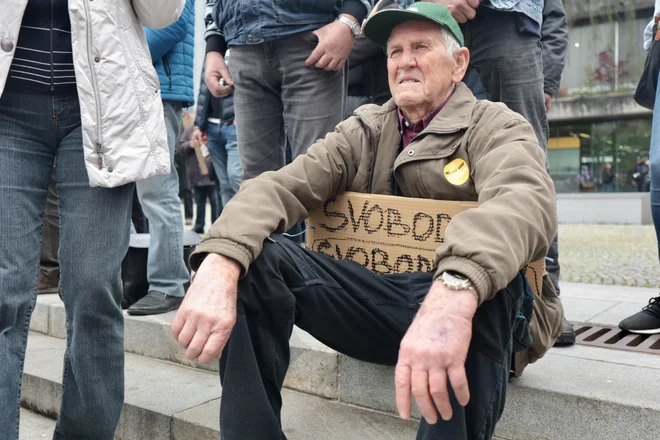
column 605, row 55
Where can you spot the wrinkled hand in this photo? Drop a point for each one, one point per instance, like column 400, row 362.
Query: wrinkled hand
column 208, row 313
column 216, row 69
column 434, row 351
column 548, row 102
column 335, row 43
column 461, row 10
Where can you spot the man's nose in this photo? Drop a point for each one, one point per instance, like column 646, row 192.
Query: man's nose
column 407, row 59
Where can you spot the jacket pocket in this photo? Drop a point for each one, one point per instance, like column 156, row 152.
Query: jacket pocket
column 135, row 51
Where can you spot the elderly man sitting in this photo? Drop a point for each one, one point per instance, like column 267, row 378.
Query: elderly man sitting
column 442, row 330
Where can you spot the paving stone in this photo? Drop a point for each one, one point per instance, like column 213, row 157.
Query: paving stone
column 57, row 321
column 581, row 310
column 615, row 314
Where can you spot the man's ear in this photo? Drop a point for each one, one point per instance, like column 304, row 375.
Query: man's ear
column 461, row 63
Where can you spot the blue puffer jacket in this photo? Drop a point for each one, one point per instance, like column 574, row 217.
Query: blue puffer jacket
column 172, row 52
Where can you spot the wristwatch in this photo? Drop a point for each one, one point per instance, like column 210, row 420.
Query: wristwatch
column 354, row 27
column 455, row 281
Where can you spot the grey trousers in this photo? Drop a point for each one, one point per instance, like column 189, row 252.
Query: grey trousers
column 49, row 267
column 277, row 98
column 509, row 62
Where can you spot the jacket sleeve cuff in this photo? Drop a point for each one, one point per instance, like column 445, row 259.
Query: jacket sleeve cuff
column 354, row 8
column 472, row 271
column 551, row 88
column 215, row 43
column 222, row 246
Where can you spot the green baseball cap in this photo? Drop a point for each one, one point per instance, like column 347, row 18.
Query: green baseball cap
column 379, row 26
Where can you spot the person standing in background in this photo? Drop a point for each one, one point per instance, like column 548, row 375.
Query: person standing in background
column 172, row 52
column 647, row 321
column 287, row 57
column 215, row 117
column 76, row 87
column 607, row 177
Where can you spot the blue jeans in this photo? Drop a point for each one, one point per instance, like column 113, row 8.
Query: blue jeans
column 94, row 233
column 223, row 146
column 654, row 158
column 159, row 196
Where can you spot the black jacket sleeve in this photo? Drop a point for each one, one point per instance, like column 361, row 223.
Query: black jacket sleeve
column 554, row 40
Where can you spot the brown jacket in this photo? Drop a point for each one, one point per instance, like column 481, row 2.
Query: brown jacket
column 513, row 225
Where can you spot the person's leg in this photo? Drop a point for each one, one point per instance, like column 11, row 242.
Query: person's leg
column 648, row 319
column 303, row 88
column 200, row 201
column 94, row 235
column 258, row 108
column 358, row 313
column 233, row 168
column 26, row 161
column 212, row 196
column 166, row 269
column 215, row 141
column 509, row 63
column 49, row 269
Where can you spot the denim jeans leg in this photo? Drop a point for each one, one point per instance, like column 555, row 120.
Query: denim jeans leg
column 26, row 160
column 654, row 158
column 510, row 66
column 303, row 88
column 94, row 232
column 231, row 178
column 215, row 141
column 258, row 107
column 166, row 269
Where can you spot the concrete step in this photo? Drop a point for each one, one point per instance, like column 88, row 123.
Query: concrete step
column 35, row 426
column 165, row 400
column 582, row 393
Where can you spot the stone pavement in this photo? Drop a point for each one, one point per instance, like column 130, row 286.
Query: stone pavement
column 625, row 255
column 35, row 426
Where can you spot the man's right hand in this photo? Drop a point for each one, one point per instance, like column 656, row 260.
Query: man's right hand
column 216, row 69
column 461, row 10
column 197, row 136
column 208, row 313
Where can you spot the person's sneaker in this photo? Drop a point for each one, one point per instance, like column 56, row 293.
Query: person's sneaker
column 44, row 287
column 646, row 322
column 189, row 221
column 154, row 303
column 567, row 336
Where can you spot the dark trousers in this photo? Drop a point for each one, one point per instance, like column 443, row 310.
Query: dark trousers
column 508, row 60
column 355, row 312
column 202, row 194
column 49, row 265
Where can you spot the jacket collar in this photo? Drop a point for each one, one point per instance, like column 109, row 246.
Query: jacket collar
column 455, row 116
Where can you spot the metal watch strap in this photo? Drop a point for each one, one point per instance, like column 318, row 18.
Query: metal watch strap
column 353, row 26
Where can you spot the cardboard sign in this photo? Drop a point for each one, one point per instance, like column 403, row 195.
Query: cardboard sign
column 388, row 234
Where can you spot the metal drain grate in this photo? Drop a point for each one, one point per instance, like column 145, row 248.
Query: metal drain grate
column 613, row 337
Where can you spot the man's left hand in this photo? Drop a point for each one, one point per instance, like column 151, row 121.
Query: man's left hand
column 433, row 353
column 335, row 43
column 547, row 98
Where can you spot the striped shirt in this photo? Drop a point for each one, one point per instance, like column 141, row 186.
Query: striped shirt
column 43, row 61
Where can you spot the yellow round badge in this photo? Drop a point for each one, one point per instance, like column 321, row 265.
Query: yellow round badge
column 457, row 172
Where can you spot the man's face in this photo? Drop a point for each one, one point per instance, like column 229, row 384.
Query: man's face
column 420, row 71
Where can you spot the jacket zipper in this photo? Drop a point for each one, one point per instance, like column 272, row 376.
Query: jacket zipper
column 97, row 97
column 52, row 69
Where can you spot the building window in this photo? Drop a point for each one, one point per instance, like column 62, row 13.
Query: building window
column 578, row 154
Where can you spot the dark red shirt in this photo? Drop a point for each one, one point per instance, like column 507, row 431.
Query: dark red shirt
column 409, row 130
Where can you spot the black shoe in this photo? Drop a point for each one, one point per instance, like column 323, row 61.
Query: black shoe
column 155, row 303
column 567, row 336
column 646, row 322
